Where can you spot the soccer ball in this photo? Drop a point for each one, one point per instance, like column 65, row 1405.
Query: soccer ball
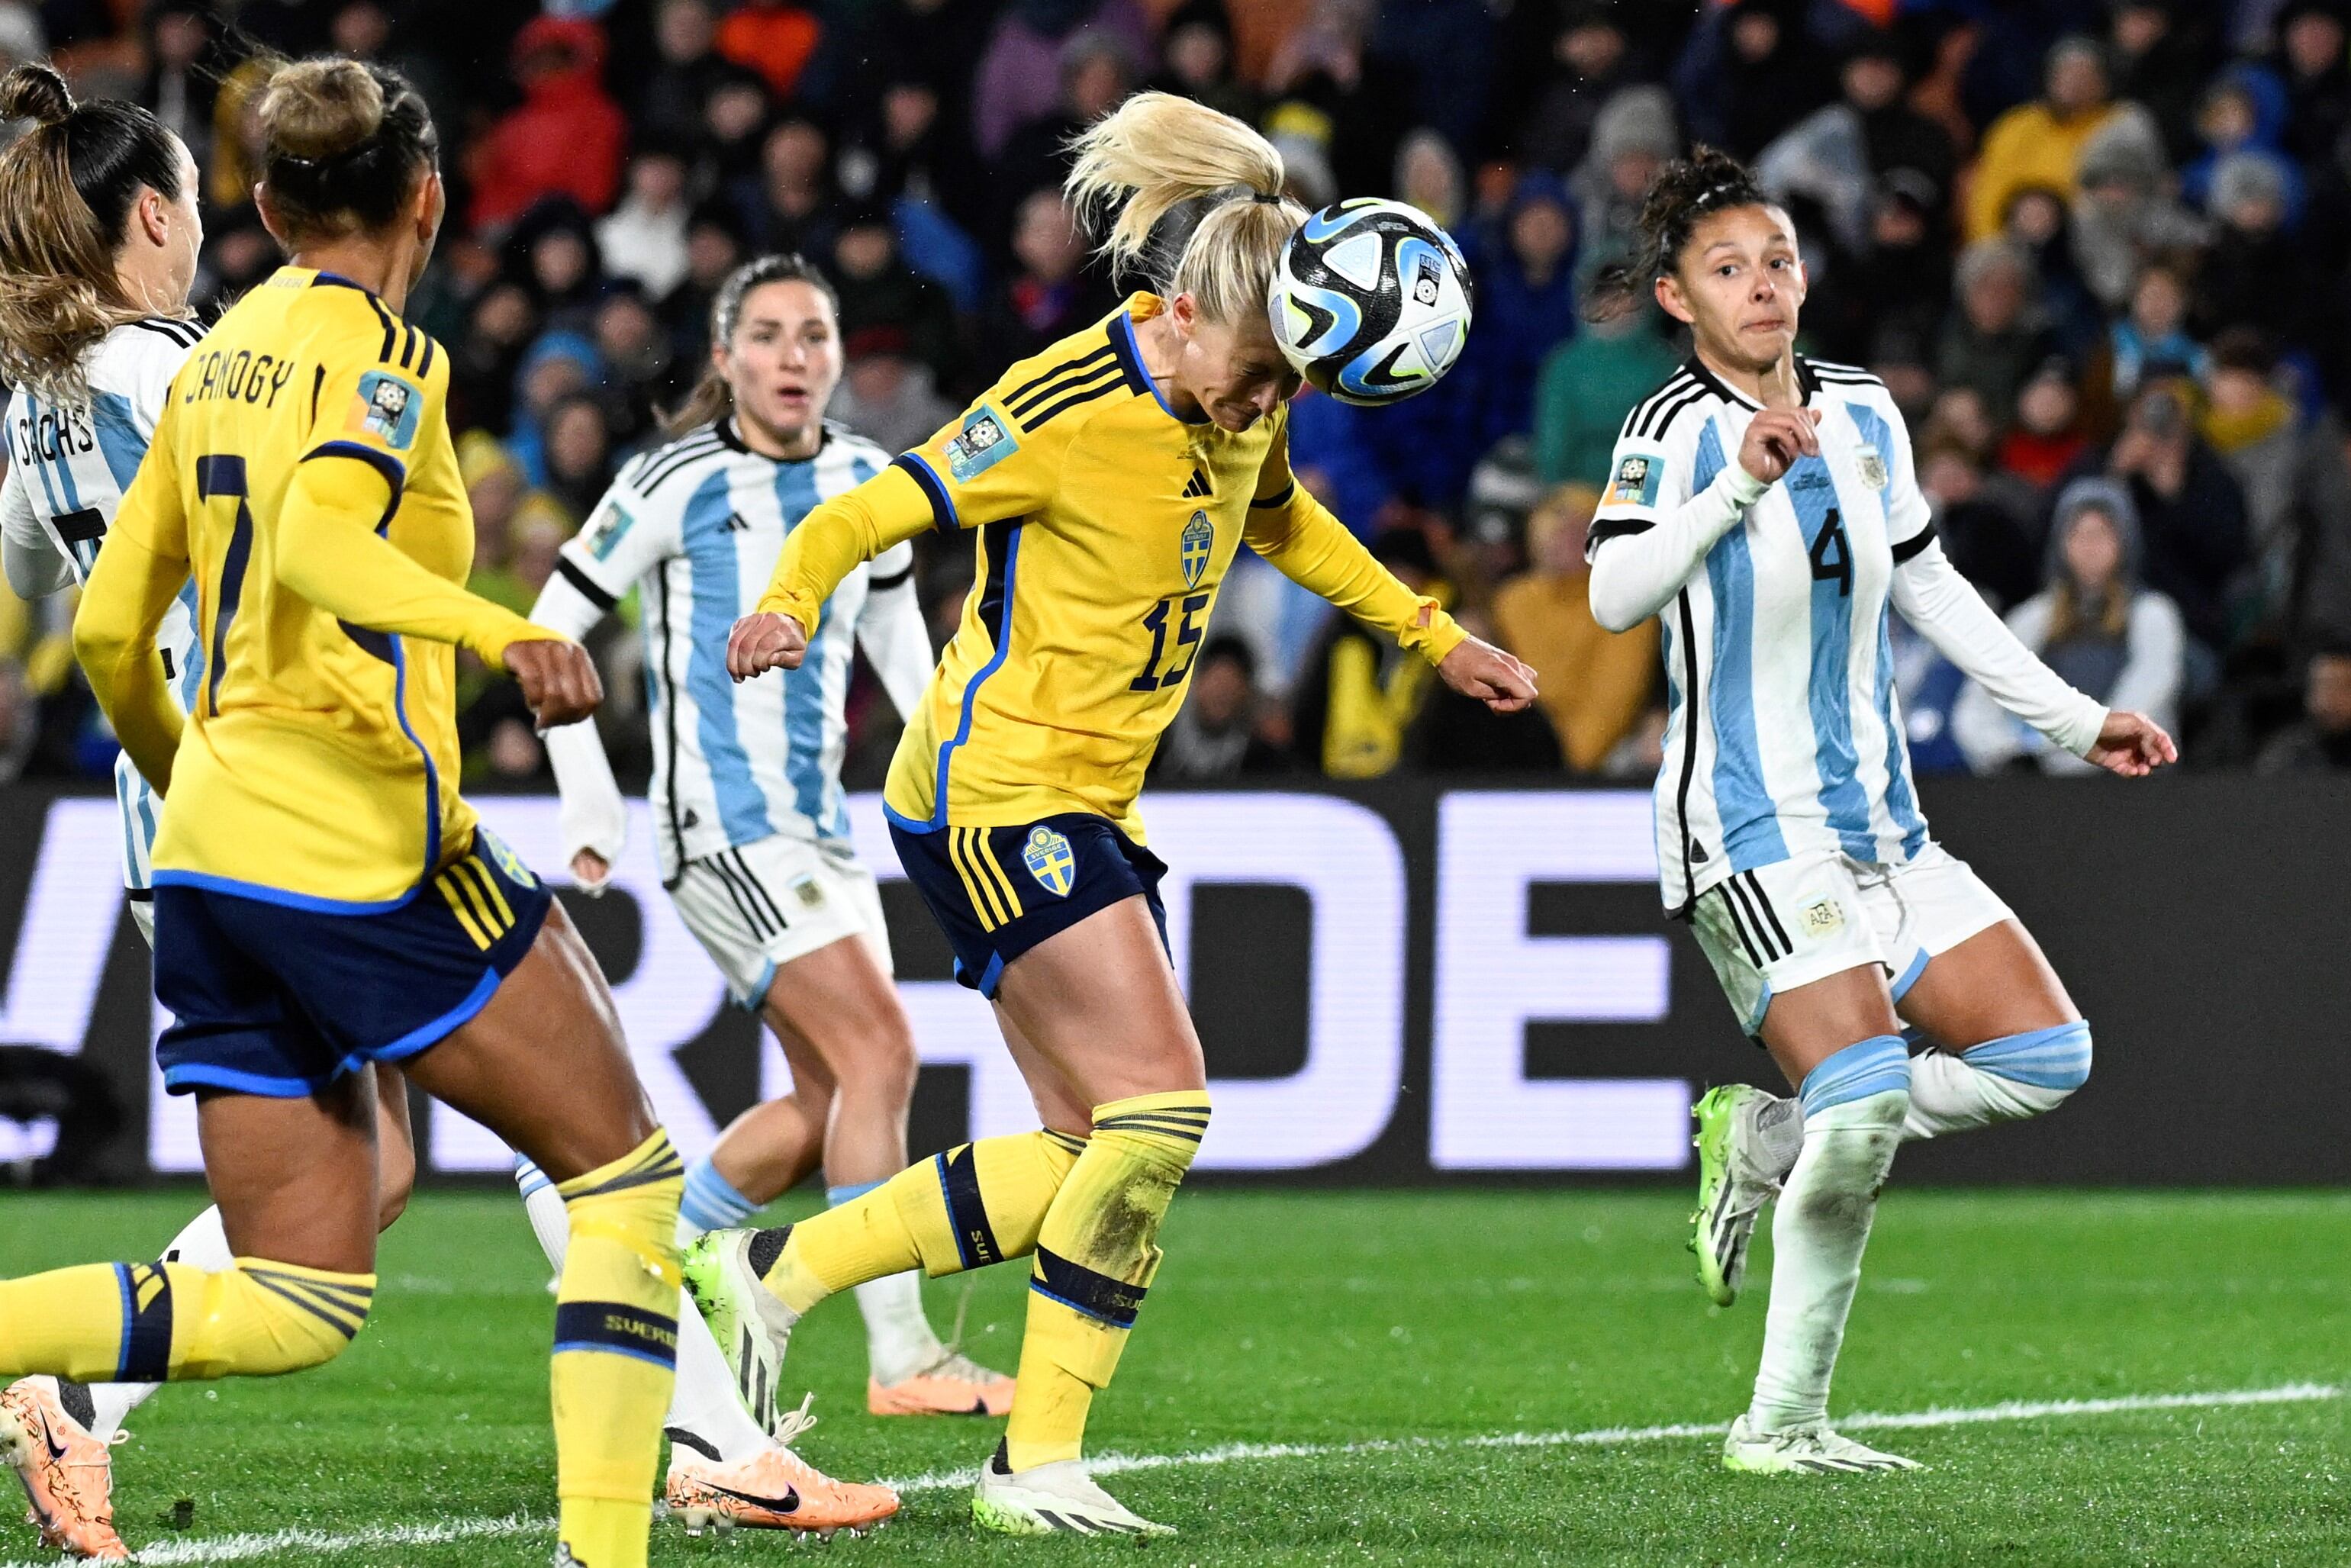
column 1370, row 302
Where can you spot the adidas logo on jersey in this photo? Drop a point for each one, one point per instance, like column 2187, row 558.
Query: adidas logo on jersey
column 1197, row 487
column 735, row 525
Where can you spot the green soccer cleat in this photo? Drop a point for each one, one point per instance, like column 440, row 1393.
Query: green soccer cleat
column 750, row 1324
column 1729, row 1198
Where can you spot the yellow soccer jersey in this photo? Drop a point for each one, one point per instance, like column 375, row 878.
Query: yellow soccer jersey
column 1102, row 526
column 319, row 763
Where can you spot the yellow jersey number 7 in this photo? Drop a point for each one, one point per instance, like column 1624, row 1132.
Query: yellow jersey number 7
column 1184, row 613
column 224, row 476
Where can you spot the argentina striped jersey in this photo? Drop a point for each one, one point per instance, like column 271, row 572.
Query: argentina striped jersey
column 697, row 527
column 69, row 464
column 1784, row 735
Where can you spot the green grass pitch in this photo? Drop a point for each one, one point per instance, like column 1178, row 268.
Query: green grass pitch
column 1384, row 1333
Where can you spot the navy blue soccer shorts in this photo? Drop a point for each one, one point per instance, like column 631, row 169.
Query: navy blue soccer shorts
column 999, row 891
column 273, row 998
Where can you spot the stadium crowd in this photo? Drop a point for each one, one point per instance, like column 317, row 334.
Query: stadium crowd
column 2097, row 248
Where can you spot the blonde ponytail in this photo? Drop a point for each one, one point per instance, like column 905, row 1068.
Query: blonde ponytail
column 1140, row 167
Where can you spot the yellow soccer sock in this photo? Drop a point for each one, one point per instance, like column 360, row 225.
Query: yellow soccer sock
column 1096, row 1254
column 975, row 1204
column 615, row 1351
column 150, row 1322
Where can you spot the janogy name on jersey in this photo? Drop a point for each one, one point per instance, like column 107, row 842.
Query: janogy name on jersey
column 243, row 376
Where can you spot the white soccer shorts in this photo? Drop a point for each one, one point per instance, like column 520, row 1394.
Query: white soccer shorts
column 1779, row 927
column 756, row 907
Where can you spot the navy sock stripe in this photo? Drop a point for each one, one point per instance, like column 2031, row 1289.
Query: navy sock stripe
column 332, row 1319
column 1081, row 1289
column 959, row 1181
column 147, row 1327
column 616, row 1327
column 1164, row 1129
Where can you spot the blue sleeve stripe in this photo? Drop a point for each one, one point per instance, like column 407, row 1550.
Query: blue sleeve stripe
column 942, row 511
column 394, row 472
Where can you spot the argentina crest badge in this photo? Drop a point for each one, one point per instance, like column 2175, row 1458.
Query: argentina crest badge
column 1050, row 859
column 1199, row 540
column 1870, row 464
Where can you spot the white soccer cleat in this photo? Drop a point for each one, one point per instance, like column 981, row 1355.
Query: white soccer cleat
column 1804, row 1451
column 750, row 1327
column 1732, row 1192
column 1052, row 1500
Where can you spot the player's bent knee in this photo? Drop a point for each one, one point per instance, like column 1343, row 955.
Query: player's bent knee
column 258, row 1319
column 2039, row 1069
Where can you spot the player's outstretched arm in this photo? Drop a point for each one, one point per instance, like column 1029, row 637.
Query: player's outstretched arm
column 825, row 546
column 2132, row 745
column 593, row 816
column 138, row 575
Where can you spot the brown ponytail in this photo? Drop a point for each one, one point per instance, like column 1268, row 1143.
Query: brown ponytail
column 343, row 145
column 66, row 190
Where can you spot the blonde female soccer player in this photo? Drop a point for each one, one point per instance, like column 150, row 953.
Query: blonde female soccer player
column 1105, row 485
column 98, row 237
column 1766, row 507
column 324, row 898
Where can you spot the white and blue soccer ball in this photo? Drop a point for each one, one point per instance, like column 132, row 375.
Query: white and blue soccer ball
column 1370, row 302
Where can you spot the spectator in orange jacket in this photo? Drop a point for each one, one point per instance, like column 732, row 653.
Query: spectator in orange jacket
column 566, row 138
column 774, row 38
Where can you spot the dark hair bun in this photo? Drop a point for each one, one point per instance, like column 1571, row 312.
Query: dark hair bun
column 318, row 109
column 35, row 92
column 1688, row 190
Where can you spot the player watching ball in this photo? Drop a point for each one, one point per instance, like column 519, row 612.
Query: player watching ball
column 1105, row 484
column 99, row 239
column 1766, row 507
column 752, row 830
column 324, row 897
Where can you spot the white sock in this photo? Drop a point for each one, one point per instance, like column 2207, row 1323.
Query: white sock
column 899, row 1340
column 2003, row 1080
column 203, row 1245
column 1817, row 1239
column 706, row 1416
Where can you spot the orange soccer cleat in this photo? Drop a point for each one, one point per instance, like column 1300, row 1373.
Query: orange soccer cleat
column 68, row 1473
column 773, row 1490
column 955, row 1384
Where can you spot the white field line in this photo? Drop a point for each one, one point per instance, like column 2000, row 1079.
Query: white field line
column 317, row 1543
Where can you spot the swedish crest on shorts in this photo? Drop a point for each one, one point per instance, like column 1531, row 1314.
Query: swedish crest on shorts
column 1050, row 859
column 1870, row 464
column 1199, row 540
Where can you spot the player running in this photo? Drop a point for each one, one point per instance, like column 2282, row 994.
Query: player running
column 1766, row 507
column 324, row 898
column 98, row 238
column 752, row 828
column 1105, row 485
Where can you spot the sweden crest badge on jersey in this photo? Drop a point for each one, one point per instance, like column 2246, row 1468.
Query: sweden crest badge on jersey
column 1199, row 540
column 1871, row 464
column 979, row 446
column 388, row 409
column 1050, row 859
column 1635, row 484
column 490, row 844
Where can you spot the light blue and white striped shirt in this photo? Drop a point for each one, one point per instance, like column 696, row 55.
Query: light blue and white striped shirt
column 68, row 467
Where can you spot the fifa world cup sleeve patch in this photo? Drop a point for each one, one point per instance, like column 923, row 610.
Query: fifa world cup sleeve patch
column 605, row 529
column 1636, row 481
column 984, row 442
column 388, row 409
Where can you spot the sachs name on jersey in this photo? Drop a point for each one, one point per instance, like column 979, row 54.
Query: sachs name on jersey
column 698, row 525
column 1784, row 735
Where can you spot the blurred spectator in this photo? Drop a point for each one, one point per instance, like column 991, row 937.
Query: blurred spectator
column 908, row 150
column 2321, row 741
column 1898, row 285
column 733, row 134
column 2255, row 273
column 2127, row 215
column 1020, row 77
column 1216, row 736
column 2038, row 224
column 2288, row 478
column 1096, row 71
column 1992, row 340
column 1750, row 70
column 2094, row 624
column 578, row 457
column 1594, row 685
column 1584, row 388
column 640, row 367
column 2047, row 436
column 644, row 236
column 182, row 80
column 558, row 365
column 1050, row 297
column 1329, row 86
column 2313, row 56
column 1441, row 43
column 2243, row 117
column 687, row 71
column 2041, row 142
column 2151, row 342
column 552, row 253
column 791, row 205
column 2190, row 517
column 1632, row 138
column 565, row 136
column 1837, row 156
column 878, row 289
column 483, row 362
column 1428, row 176
column 887, row 395
column 1554, row 85
column 1981, row 525
column 714, row 248
column 1195, row 51
column 1525, row 305
column 774, row 38
column 2161, row 52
